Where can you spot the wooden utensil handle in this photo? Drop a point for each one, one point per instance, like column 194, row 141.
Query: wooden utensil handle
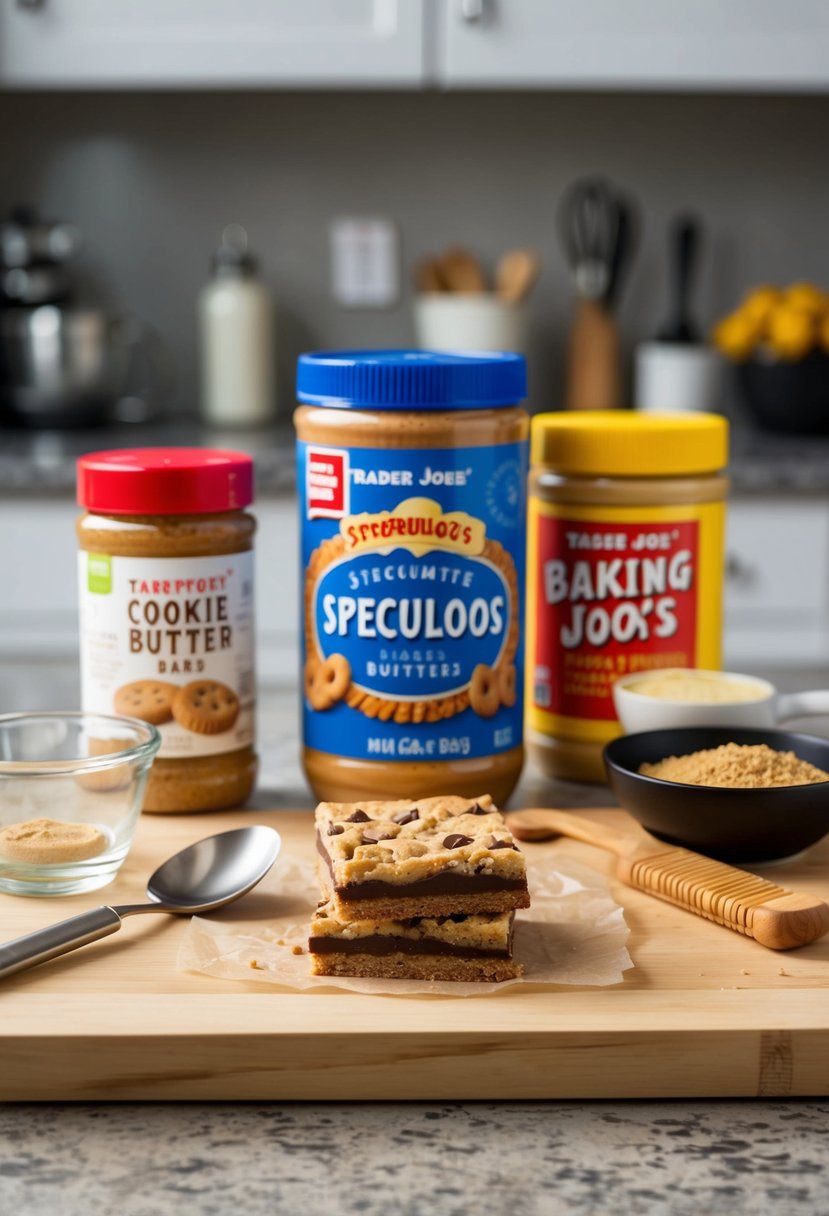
column 593, row 360
column 540, row 823
column 773, row 916
column 744, row 902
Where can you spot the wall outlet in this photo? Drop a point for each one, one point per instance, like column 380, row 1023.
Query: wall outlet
column 365, row 262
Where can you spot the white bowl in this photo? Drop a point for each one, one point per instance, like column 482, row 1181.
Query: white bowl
column 641, row 711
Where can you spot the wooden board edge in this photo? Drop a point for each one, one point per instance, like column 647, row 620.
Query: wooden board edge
column 464, row 1066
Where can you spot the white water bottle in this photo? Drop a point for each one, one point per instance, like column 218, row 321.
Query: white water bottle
column 237, row 339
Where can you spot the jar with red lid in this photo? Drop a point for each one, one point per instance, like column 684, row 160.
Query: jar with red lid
column 166, row 613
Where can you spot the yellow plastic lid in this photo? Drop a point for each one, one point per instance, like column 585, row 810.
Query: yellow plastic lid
column 622, row 443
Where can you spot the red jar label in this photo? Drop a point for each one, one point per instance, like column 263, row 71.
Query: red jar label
column 611, row 600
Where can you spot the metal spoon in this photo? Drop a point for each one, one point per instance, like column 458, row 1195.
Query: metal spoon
column 204, row 876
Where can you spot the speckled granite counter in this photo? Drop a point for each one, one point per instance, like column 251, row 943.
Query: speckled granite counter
column 418, row 1159
column 43, row 462
column 406, row 1159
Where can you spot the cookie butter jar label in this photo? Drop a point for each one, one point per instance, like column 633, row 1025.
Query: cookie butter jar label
column 413, row 562
column 170, row 640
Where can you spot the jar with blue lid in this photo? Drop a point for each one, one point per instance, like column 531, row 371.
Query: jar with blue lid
column 411, row 468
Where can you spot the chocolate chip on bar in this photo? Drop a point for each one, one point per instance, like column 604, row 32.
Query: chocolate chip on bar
column 375, row 835
column 456, row 840
column 437, row 862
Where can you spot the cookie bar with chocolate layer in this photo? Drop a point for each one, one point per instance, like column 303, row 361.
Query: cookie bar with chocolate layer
column 476, row 948
column 426, row 857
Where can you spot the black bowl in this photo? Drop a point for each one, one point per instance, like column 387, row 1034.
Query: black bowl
column 735, row 825
column 790, row 396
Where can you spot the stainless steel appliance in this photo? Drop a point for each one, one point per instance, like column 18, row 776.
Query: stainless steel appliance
column 64, row 364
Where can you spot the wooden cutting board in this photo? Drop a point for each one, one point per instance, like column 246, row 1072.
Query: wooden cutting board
column 704, row 1012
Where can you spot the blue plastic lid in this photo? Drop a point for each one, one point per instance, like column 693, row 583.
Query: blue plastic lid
column 411, row 379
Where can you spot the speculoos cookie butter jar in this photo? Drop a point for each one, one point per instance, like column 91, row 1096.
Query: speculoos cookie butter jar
column 166, row 613
column 411, row 467
column 625, row 568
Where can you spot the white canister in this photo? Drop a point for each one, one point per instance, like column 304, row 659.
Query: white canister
column 457, row 321
column 677, row 376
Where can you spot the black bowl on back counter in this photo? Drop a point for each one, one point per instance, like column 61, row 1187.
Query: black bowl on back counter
column 787, row 395
column 741, row 826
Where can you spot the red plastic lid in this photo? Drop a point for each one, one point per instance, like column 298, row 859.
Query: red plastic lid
column 165, row 481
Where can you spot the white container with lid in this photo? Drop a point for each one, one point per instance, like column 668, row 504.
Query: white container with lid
column 236, row 327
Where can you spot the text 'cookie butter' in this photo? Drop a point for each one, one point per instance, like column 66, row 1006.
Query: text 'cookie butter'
column 166, row 613
column 412, row 469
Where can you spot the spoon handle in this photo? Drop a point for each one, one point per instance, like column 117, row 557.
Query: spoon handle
column 66, row 935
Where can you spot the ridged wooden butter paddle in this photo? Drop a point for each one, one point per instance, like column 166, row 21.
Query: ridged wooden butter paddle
column 773, row 916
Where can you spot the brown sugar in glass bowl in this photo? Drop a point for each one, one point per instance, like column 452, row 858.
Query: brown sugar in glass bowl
column 166, row 590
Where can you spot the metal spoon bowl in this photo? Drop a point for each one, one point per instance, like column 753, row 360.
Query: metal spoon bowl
column 201, row 878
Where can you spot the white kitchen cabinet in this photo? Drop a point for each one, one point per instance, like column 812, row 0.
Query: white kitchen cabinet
column 38, row 596
column 635, row 44
column 777, row 583
column 658, row 44
column 210, row 43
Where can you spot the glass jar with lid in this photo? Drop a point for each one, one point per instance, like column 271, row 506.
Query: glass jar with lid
column 412, row 478
column 166, row 613
column 625, row 567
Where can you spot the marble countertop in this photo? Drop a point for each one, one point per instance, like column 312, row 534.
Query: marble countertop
column 674, row 1158
column 43, row 462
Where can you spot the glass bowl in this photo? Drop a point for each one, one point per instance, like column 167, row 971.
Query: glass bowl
column 71, row 788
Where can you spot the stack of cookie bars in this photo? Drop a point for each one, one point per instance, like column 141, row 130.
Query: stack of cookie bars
column 423, row 890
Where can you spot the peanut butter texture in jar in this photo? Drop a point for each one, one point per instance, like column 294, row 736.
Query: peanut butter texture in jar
column 166, row 608
column 625, row 568
column 412, row 481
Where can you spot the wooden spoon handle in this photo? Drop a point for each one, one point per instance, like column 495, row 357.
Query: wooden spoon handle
column 541, row 824
column 744, row 902
column 736, row 899
column 593, row 379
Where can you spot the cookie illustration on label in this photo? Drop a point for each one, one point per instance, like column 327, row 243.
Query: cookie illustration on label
column 327, row 682
column 484, row 696
column 149, row 700
column 507, row 684
column 206, row 707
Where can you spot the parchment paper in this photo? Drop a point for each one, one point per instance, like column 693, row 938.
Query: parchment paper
column 574, row 934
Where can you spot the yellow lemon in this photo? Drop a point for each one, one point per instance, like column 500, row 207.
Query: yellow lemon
column 736, row 336
column 758, row 303
column 791, row 332
column 806, row 297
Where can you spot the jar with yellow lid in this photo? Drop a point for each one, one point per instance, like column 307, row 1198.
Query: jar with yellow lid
column 625, row 568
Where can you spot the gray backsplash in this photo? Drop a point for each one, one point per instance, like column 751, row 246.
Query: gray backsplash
column 152, row 178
